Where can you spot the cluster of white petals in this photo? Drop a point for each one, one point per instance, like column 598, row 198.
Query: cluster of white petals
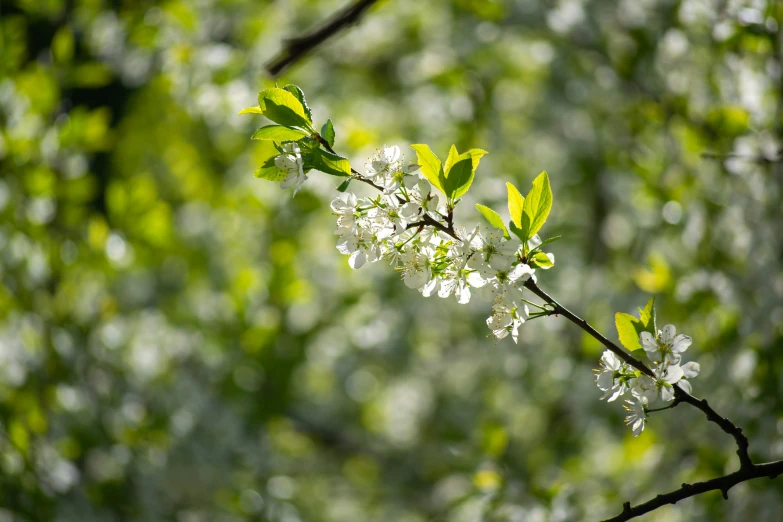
column 391, row 226
column 616, row 378
column 292, row 164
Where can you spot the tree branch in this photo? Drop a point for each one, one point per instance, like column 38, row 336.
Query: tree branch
column 747, row 470
column 559, row 309
column 722, row 484
column 724, row 423
column 296, row 48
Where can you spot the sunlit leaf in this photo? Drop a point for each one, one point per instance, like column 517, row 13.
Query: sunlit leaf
column 282, row 107
column 277, row 133
column 430, row 166
column 627, row 330
column 327, row 132
column 537, row 205
column 494, row 219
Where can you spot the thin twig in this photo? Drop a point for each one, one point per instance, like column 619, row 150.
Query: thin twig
column 722, row 484
column 296, row 48
column 559, row 309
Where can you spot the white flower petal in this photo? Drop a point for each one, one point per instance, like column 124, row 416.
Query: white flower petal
column 667, row 336
column 690, row 369
column 605, row 380
column 357, row 259
column 672, row 374
column 681, row 343
column 521, row 272
column 648, row 342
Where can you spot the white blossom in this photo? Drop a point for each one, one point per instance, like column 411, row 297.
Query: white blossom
column 612, row 378
column 637, row 415
column 506, row 318
column 383, row 164
column 416, row 270
column 292, row 164
column 666, row 347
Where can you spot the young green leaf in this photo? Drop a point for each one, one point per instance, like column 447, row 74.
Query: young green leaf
column 627, row 330
column 541, row 260
column 327, row 132
column 549, row 240
column 282, row 107
column 344, row 185
column 517, row 231
column 269, row 171
column 451, row 159
column 647, row 316
column 460, row 173
column 277, row 133
column 329, row 163
column 494, row 219
column 537, row 205
column 296, row 91
column 430, row 166
column 515, row 204
column 251, row 110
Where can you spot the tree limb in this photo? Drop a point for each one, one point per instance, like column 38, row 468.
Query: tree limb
column 747, row 470
column 296, row 48
column 722, row 484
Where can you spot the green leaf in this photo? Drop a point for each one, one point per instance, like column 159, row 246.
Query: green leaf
column 277, row 133
column 430, row 166
column 282, row 107
column 549, row 240
column 327, row 132
column 541, row 260
column 517, row 231
column 451, row 160
column 270, row 171
column 460, row 180
column 461, row 171
column 494, row 219
column 647, row 316
column 251, row 110
column 329, row 163
column 296, row 91
column 627, row 330
column 537, row 205
column 344, row 185
column 515, row 204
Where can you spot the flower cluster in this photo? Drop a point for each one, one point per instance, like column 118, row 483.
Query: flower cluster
column 399, row 226
column 616, row 378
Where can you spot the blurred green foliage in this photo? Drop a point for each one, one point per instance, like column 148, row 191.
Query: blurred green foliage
column 181, row 341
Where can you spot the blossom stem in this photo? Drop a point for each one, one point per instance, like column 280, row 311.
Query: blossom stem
column 533, row 304
column 652, row 410
column 411, row 238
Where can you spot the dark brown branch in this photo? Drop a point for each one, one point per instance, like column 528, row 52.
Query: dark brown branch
column 722, row 484
column 747, row 470
column 296, row 48
column 724, row 423
column 559, row 309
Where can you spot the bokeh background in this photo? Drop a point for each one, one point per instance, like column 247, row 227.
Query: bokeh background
column 180, row 341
